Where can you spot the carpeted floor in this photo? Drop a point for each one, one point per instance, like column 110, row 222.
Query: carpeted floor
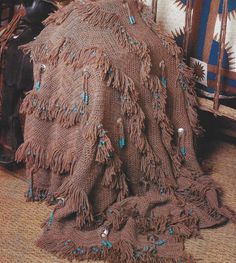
column 20, row 221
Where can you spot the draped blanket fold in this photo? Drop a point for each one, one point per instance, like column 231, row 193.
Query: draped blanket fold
column 109, row 138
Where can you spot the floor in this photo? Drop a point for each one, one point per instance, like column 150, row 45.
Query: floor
column 20, row 221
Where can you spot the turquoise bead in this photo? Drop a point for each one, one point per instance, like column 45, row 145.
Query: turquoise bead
column 42, row 196
column 66, row 243
column 183, row 151
column 171, row 231
column 102, row 143
column 132, row 20
column 160, row 242
column 85, row 98
column 37, row 85
column 107, row 244
column 164, row 81
column 122, row 143
column 78, row 250
column 95, row 249
column 30, row 191
column 145, row 248
column 51, row 218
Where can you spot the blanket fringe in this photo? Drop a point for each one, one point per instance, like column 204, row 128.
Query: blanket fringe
column 187, row 84
column 115, row 178
column 132, row 110
column 105, row 149
column 203, row 193
column 58, row 161
column 76, row 201
column 119, row 213
column 59, row 16
column 66, row 114
column 38, row 194
column 129, row 106
column 97, row 17
column 122, row 251
column 159, row 94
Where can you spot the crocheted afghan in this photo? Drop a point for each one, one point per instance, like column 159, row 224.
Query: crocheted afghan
column 109, row 138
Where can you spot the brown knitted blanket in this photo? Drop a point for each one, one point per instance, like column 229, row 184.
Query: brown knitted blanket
column 109, row 138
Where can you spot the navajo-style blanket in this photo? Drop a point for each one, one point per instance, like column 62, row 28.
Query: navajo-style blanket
column 205, row 40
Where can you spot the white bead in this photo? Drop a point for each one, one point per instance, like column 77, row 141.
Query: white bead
column 43, row 67
column 180, row 131
column 61, row 200
column 106, row 232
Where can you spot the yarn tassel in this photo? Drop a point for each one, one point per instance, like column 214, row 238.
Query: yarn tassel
column 51, row 218
column 85, row 95
column 30, row 193
column 163, row 73
column 132, row 20
column 122, row 140
column 181, row 142
column 105, row 149
column 73, row 200
column 37, row 84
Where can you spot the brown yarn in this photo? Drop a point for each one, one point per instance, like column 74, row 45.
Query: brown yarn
column 101, row 138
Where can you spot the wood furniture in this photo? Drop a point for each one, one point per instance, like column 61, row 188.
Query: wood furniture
column 214, row 106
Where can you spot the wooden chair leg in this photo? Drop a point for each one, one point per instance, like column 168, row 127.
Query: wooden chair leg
column 221, row 54
column 154, row 9
column 187, row 29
